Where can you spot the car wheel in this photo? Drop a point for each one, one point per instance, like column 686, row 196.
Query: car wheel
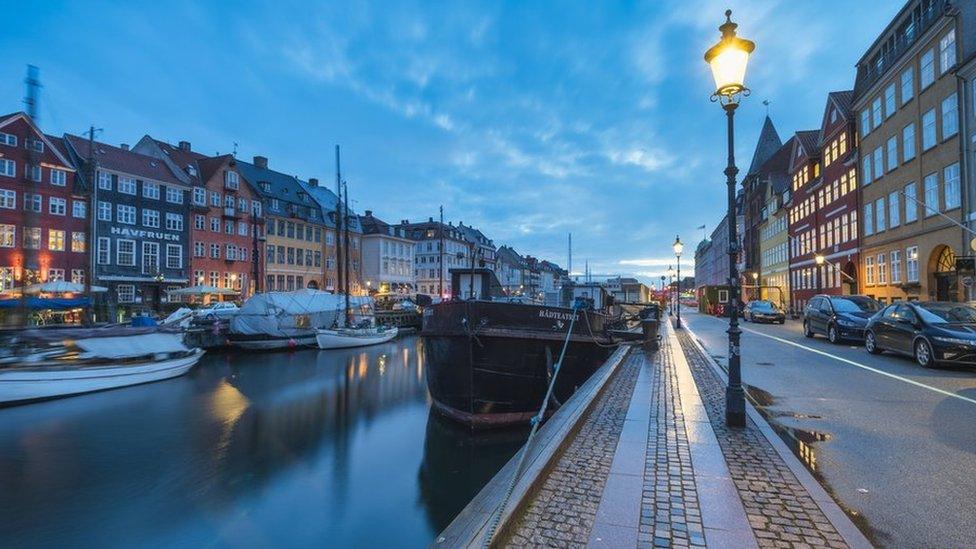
column 870, row 344
column 806, row 329
column 923, row 354
column 832, row 334
column 783, row 321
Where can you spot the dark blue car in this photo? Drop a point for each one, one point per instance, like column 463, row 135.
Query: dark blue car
column 839, row 317
column 931, row 332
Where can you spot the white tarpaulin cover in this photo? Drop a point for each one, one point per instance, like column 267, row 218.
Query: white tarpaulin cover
column 133, row 345
column 287, row 314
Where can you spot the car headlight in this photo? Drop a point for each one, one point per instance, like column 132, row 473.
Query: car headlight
column 954, row 340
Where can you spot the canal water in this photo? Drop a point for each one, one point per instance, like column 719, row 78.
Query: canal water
column 324, row 448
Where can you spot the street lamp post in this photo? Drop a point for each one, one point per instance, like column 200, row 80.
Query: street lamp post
column 819, row 259
column 727, row 60
column 678, row 247
column 670, row 296
column 755, row 285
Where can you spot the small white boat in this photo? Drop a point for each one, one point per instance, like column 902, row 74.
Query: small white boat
column 344, row 338
column 70, row 362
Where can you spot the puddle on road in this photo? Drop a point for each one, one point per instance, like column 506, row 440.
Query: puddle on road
column 765, row 364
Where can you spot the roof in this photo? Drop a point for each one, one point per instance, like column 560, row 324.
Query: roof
column 450, row 231
column 50, row 141
column 474, row 235
column 208, row 166
column 808, row 140
column 844, row 100
column 768, row 144
column 285, row 188
column 777, row 168
column 374, row 225
column 507, row 254
column 327, row 201
column 120, row 160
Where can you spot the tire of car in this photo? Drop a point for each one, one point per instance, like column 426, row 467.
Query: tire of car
column 870, row 344
column 923, row 354
column 782, row 321
column 832, row 335
column 806, row 329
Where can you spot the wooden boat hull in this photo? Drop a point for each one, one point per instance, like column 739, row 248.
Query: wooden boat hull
column 25, row 384
column 334, row 339
column 272, row 343
column 496, row 373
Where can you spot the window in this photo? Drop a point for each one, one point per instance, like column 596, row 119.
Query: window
column 950, row 182
column 895, row 266
column 865, row 122
column 32, row 238
column 55, row 240
column 907, row 85
column 242, row 228
column 150, row 218
column 125, row 252
column 57, row 206
column 8, row 167
column 150, row 190
column 79, row 208
column 950, row 116
column 876, row 113
column 214, row 251
column 59, row 177
column 78, row 241
column 894, row 207
column 199, row 250
column 931, row 194
column 8, row 199
column 174, row 221
column 35, row 145
column 947, row 51
column 214, row 278
column 229, row 227
column 174, row 256
column 275, row 205
column 174, row 195
column 866, row 169
column 199, row 222
column 150, row 258
column 908, row 142
column 911, row 263
column 231, row 180
column 32, row 202
column 868, row 219
column 77, row 276
column 33, row 172
column 271, row 253
column 125, row 214
column 126, row 293
column 256, row 208
column 8, row 236
column 214, row 225
column 214, row 199
column 889, row 98
column 105, row 181
column 911, row 203
column 892, row 153
column 927, row 71
column 8, row 139
column 878, row 162
column 882, row 269
column 104, row 250
column 928, row 130
column 127, row 185
column 879, row 215
column 869, row 269
column 200, row 196
column 104, row 211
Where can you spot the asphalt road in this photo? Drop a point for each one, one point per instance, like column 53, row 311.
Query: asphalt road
column 893, row 442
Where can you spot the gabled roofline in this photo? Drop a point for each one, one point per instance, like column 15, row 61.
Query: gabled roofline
column 25, row 117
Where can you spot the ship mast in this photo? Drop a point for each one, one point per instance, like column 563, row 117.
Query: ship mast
column 345, row 246
column 30, row 253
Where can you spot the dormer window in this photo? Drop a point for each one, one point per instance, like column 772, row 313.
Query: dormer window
column 265, row 186
column 191, row 169
column 35, row 145
column 231, row 180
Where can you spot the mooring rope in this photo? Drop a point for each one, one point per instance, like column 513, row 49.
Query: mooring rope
column 535, row 421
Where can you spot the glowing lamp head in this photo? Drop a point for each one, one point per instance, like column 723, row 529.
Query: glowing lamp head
column 678, row 246
column 728, row 59
column 819, row 259
column 755, row 276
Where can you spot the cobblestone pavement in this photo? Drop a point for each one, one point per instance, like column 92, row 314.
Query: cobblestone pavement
column 780, row 511
column 670, row 514
column 562, row 512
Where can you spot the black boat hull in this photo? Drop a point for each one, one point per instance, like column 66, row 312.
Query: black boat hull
column 497, row 373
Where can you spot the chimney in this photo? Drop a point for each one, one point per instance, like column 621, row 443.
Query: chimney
column 124, row 146
column 369, row 213
column 184, row 145
column 261, row 162
column 430, row 220
column 313, row 182
column 404, row 221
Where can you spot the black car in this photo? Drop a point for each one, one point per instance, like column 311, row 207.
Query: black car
column 932, row 332
column 838, row 317
column 761, row 310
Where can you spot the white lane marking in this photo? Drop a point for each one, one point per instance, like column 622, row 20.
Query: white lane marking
column 864, row 366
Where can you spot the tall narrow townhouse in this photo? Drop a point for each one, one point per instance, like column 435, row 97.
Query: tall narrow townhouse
column 43, row 233
column 805, row 180
column 906, row 99
column 755, row 186
column 774, row 253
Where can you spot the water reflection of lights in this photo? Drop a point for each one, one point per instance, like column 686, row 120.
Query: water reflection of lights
column 227, row 403
column 382, row 362
column 363, row 365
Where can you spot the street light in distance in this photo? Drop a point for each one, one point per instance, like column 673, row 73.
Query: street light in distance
column 678, row 248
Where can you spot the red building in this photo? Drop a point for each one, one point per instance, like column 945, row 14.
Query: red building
column 226, row 217
column 42, row 213
column 823, row 207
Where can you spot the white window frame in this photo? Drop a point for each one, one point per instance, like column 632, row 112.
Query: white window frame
column 174, row 221
column 8, row 168
column 118, row 252
column 127, row 185
column 150, row 190
column 150, row 218
column 59, row 177
column 126, row 293
column 104, row 246
column 57, row 206
column 123, row 212
column 178, row 256
column 79, row 209
column 8, row 199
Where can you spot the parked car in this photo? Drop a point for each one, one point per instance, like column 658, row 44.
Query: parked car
column 932, row 332
column 217, row 310
column 839, row 317
column 761, row 310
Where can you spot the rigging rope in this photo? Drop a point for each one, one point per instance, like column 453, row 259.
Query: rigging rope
column 535, row 421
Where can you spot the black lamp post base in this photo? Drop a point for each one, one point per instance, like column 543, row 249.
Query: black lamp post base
column 735, row 407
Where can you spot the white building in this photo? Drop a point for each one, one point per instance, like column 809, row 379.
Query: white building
column 388, row 257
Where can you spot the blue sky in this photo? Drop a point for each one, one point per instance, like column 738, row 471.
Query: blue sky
column 529, row 120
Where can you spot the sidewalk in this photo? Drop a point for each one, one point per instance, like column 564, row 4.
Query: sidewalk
column 653, row 465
